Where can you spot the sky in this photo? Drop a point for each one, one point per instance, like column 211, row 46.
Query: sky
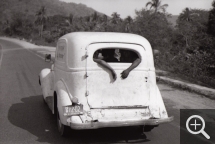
column 127, row 7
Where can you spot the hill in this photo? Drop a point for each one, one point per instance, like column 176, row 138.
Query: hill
column 53, row 7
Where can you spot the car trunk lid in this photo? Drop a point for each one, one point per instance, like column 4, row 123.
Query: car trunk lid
column 104, row 92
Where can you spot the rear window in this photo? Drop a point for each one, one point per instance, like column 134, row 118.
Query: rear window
column 116, row 55
column 60, row 54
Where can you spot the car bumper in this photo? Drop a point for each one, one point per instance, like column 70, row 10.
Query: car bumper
column 96, row 125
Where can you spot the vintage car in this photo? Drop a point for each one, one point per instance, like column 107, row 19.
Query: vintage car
column 84, row 95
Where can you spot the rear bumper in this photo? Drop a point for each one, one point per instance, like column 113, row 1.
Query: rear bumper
column 96, row 125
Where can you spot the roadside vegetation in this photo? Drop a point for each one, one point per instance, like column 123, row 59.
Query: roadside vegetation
column 186, row 49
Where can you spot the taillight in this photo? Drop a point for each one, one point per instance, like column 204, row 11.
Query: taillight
column 75, row 100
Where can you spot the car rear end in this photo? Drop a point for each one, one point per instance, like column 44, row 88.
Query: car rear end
column 133, row 101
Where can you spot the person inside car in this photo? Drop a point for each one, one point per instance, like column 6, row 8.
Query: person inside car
column 107, row 56
column 116, row 55
column 129, row 57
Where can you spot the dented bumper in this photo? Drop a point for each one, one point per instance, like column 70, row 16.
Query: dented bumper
column 96, row 125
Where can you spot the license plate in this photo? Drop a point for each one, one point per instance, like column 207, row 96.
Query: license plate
column 73, row 110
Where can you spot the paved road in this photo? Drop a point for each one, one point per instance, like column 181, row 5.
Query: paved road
column 25, row 119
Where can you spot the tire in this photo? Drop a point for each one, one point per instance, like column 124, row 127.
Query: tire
column 44, row 101
column 39, row 81
column 63, row 129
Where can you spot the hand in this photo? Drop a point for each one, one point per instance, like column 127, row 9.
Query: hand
column 114, row 75
column 125, row 74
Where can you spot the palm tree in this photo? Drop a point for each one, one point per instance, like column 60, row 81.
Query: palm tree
column 95, row 16
column 104, row 18
column 69, row 21
column 188, row 15
column 41, row 19
column 156, row 5
column 128, row 21
column 185, row 15
column 71, row 16
column 103, row 23
column 115, row 18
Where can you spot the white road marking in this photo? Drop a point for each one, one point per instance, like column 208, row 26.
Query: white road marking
column 1, row 57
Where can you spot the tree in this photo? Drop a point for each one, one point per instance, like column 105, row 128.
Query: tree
column 192, row 25
column 16, row 24
column 20, row 24
column 185, row 15
column 102, row 24
column 6, row 27
column 188, row 15
column 192, row 46
column 156, row 5
column 71, row 18
column 41, row 19
column 95, row 17
column 211, row 20
column 104, row 18
column 158, row 31
column 128, row 21
column 115, row 18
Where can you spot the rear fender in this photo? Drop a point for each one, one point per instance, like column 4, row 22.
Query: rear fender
column 63, row 99
column 46, row 79
column 162, row 108
column 157, row 107
column 156, row 104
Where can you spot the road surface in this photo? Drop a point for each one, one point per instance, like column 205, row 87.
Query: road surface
column 25, row 119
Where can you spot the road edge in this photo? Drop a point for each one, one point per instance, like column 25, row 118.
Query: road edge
column 205, row 91
column 1, row 55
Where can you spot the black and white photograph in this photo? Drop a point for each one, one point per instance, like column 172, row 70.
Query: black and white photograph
column 107, row 71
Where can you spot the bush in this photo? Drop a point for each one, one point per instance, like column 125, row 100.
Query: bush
column 49, row 39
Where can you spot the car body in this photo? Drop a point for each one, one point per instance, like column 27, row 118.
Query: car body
column 83, row 94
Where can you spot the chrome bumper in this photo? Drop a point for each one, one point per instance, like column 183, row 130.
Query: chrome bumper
column 96, row 125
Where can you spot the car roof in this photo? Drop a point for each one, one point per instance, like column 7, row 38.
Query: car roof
column 86, row 38
column 79, row 42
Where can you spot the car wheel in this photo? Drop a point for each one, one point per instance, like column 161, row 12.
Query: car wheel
column 39, row 82
column 63, row 129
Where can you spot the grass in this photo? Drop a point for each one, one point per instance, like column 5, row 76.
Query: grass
column 40, row 41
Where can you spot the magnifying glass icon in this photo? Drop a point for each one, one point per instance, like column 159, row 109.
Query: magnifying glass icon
column 196, row 124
